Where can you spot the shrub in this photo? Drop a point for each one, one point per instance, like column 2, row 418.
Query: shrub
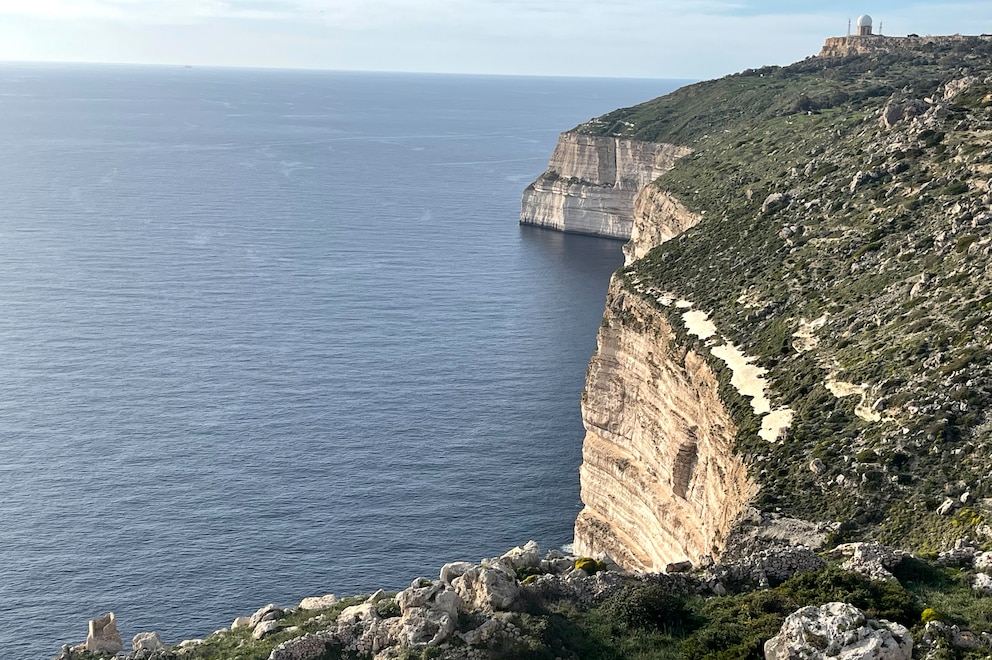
column 589, row 565
column 876, row 598
column 650, row 607
column 931, row 614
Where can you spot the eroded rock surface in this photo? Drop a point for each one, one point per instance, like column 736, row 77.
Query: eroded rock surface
column 838, row 631
column 660, row 480
column 591, row 182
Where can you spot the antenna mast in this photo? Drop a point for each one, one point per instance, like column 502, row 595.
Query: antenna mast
column 880, row 28
column 848, row 27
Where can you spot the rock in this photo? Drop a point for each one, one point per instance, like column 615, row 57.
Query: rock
column 482, row 634
column 264, row 628
column 947, row 507
column 147, row 641
column 487, row 589
column 453, row 570
column 841, row 632
column 527, row 556
column 103, row 635
column 241, row 622
column 428, row 615
column 817, row 466
column 307, row 647
column 679, row 567
column 894, row 111
column 982, row 583
column 774, row 202
column 318, row 602
column 270, row 612
column 983, row 561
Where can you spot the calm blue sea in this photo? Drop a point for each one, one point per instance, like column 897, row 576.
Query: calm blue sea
column 271, row 334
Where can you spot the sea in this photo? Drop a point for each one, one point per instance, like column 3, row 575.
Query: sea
column 268, row 334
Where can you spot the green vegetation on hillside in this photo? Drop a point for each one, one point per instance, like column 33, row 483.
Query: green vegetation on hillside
column 885, row 233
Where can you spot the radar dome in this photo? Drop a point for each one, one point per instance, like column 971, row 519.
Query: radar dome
column 864, row 20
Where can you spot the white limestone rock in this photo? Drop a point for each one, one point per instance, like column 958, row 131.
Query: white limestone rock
column 318, row 602
column 265, row 628
column 983, row 561
column 982, row 583
column 453, row 570
column 147, row 641
column 103, row 636
column 270, row 612
column 838, row 631
column 591, row 182
column 241, row 622
column 487, row 589
column 527, row 556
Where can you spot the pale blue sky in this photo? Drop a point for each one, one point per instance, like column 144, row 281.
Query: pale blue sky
column 624, row 38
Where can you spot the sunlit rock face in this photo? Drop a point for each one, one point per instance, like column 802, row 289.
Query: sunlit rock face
column 591, row 182
column 660, row 480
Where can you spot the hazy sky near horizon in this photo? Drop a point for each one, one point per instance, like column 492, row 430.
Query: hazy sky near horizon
column 617, row 38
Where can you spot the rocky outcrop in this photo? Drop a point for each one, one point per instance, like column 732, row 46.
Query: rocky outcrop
column 591, row 182
column 838, row 630
column 103, row 635
column 660, row 480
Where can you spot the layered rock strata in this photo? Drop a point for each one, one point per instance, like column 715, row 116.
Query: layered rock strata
column 591, row 182
column 660, row 480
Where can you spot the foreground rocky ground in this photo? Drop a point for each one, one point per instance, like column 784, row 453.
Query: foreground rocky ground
column 857, row 600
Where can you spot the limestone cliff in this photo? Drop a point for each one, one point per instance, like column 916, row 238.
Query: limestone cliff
column 660, row 480
column 803, row 321
column 591, row 181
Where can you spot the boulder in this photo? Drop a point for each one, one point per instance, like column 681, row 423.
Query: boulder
column 527, row 556
column 147, row 641
column 983, row 561
column 482, row 634
column 679, row 567
column 982, row 584
column 453, row 570
column 318, row 602
column 838, row 631
column 487, row 589
column 774, row 202
column 240, row 622
column 103, row 636
column 270, row 612
column 265, row 628
column 428, row 615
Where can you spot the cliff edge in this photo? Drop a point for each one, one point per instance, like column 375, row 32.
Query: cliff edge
column 802, row 328
column 591, row 182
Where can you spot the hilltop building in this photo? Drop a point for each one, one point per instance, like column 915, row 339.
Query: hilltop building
column 864, row 25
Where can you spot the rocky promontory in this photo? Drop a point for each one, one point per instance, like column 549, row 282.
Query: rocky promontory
column 591, row 183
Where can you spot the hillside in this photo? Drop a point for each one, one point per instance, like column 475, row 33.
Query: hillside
column 845, row 245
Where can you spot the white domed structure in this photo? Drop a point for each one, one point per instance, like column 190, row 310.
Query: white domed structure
column 864, row 25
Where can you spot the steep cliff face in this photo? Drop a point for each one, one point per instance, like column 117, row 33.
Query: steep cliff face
column 803, row 322
column 660, row 480
column 658, row 217
column 591, row 181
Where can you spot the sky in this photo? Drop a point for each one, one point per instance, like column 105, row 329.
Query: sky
column 690, row 39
